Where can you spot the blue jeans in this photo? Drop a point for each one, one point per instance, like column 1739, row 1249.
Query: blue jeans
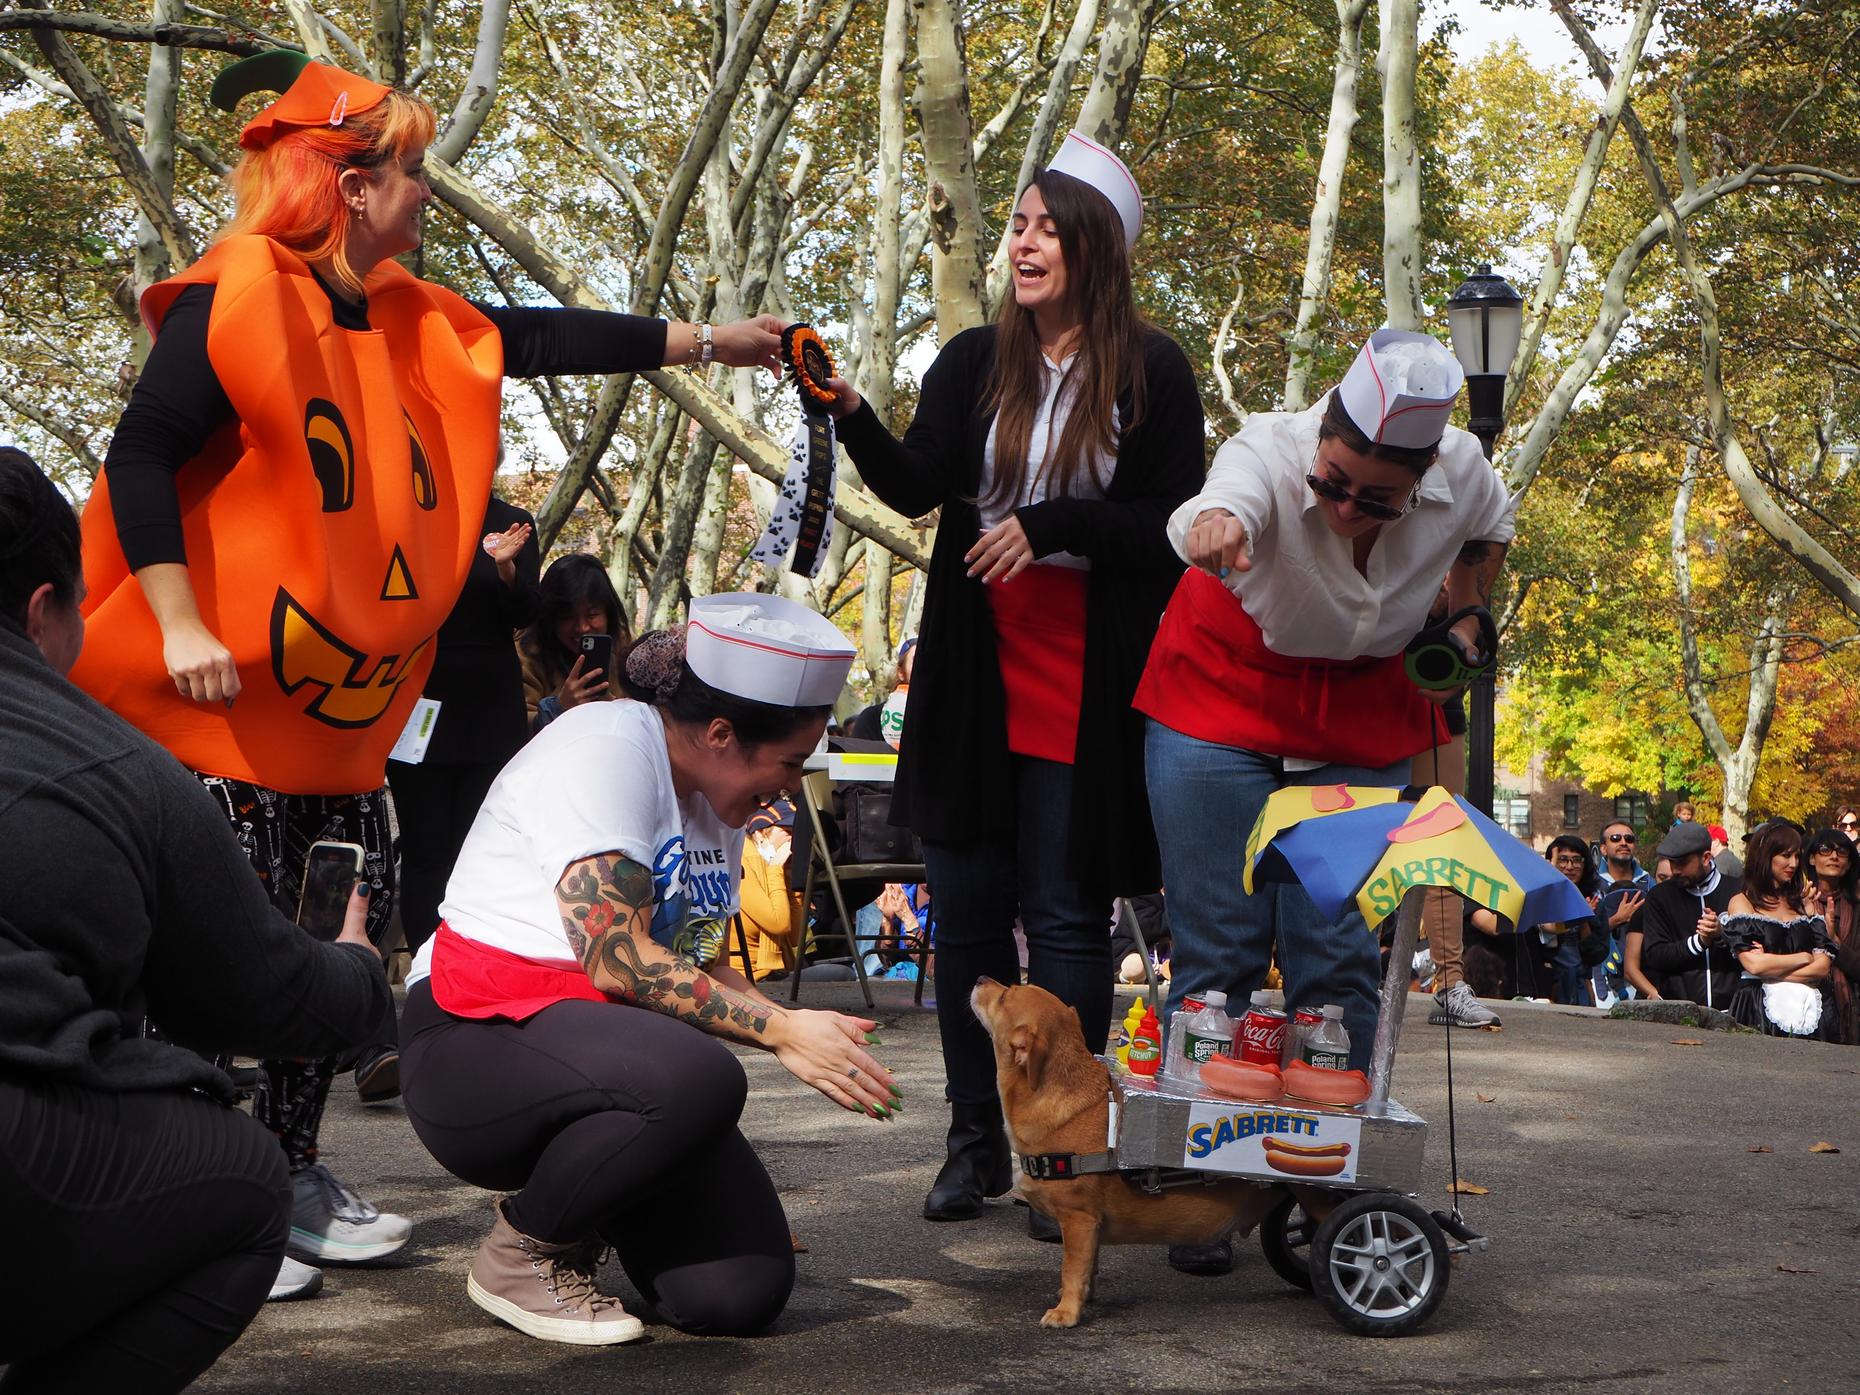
column 981, row 885
column 1204, row 799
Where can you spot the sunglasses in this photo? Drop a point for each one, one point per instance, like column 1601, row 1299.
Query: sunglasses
column 1850, row 823
column 1621, row 838
column 1369, row 508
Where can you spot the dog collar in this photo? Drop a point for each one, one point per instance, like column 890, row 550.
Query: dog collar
column 1060, row 1167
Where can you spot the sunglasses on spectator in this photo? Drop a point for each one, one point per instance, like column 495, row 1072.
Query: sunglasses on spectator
column 1850, row 823
column 1369, row 508
column 1620, row 838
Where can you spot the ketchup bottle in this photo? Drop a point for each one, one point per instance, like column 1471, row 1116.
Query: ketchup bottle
column 1146, row 1045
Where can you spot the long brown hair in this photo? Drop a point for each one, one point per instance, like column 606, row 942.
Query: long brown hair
column 1770, row 841
column 1107, row 364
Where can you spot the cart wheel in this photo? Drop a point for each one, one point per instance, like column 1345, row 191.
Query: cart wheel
column 1379, row 1264
column 1285, row 1236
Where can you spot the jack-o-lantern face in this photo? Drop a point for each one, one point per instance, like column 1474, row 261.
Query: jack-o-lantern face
column 332, row 454
column 425, row 494
column 348, row 688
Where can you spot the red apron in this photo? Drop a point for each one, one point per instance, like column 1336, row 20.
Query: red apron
column 1040, row 637
column 1211, row 676
column 474, row 980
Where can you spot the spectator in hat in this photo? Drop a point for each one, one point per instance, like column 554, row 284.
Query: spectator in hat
column 1682, row 948
column 1727, row 861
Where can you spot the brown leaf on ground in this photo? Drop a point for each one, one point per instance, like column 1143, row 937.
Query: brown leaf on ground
column 1569, row 1116
column 1465, row 1188
column 1485, row 1099
column 1791, row 1269
column 1759, row 1148
column 1687, row 1041
column 1823, row 1147
column 1492, row 1027
column 796, row 1243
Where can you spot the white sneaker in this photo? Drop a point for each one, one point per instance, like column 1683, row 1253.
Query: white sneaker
column 331, row 1223
column 294, row 1281
column 1459, row 1007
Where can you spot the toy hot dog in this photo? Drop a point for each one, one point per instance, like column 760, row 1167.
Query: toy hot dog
column 1344, row 1088
column 1303, row 1164
column 1235, row 1079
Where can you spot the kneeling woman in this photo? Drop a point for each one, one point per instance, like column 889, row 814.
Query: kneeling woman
column 558, row 1036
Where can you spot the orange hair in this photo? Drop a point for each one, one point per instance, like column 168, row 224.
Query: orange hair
column 288, row 190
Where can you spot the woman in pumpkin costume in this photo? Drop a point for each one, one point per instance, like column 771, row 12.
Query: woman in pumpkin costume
column 291, row 502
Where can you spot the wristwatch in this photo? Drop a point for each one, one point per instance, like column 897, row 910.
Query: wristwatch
column 707, row 351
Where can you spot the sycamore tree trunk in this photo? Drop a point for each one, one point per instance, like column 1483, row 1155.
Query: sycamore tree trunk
column 1326, row 205
column 957, row 273
column 1396, row 61
column 1105, row 114
column 1738, row 764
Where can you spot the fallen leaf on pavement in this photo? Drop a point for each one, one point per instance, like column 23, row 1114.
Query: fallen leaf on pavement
column 1759, row 1148
column 1687, row 1041
column 1787, row 1269
column 1822, row 1148
column 1465, row 1188
column 1569, row 1116
column 1492, row 1027
column 1485, row 1099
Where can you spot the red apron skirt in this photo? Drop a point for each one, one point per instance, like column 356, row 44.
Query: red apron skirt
column 1040, row 637
column 474, row 980
column 1211, row 676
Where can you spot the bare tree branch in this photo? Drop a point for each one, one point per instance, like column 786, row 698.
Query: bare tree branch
column 41, row 20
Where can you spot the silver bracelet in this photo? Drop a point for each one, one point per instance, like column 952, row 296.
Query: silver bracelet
column 707, row 351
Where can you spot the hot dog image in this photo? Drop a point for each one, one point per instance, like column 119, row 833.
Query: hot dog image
column 1304, row 1164
column 1344, row 1088
column 1442, row 818
column 1300, row 1150
column 1235, row 1079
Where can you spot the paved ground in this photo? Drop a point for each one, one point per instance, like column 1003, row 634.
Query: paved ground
column 1638, row 1245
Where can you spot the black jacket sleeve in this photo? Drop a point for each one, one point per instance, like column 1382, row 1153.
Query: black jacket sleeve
column 926, row 468
column 1131, row 529
column 1666, row 946
column 542, row 342
column 176, row 405
column 225, row 970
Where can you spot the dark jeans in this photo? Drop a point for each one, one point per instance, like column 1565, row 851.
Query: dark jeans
column 435, row 805
column 143, row 1233
column 980, row 886
column 615, row 1121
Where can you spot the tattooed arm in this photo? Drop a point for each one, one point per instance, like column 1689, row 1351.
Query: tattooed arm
column 1471, row 581
column 606, row 903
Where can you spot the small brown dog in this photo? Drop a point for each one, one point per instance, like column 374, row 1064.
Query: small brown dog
column 1056, row 1097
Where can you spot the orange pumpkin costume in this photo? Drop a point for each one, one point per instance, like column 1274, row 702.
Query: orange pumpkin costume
column 329, row 524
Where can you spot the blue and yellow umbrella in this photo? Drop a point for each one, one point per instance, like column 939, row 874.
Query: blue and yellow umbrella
column 1367, row 845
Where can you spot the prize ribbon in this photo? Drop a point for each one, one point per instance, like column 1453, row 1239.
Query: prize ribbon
column 803, row 514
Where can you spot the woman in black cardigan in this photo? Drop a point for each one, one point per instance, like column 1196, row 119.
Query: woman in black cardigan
column 1062, row 437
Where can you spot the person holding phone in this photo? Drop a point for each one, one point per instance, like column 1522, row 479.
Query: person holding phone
column 562, row 1042
column 124, row 893
column 567, row 653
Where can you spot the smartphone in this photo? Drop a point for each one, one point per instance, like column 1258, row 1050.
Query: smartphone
column 598, row 653
column 330, row 874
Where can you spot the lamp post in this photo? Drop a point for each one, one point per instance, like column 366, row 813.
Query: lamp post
column 1486, row 318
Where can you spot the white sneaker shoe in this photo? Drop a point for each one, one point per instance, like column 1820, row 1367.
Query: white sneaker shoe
column 331, row 1223
column 294, row 1281
column 1460, row 1008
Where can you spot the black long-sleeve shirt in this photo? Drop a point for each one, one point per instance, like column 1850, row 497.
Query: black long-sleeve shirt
column 123, row 893
column 1671, row 953
column 178, row 401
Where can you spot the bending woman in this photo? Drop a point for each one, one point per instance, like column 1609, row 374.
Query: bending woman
column 291, row 501
column 1055, row 442
column 561, row 1039
column 124, row 893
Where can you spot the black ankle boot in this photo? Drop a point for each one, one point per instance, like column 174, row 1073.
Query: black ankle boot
column 978, row 1166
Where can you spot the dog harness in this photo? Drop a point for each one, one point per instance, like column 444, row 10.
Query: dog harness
column 1060, row 1167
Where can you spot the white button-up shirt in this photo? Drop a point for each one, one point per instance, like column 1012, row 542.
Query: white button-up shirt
column 1049, row 424
column 1303, row 590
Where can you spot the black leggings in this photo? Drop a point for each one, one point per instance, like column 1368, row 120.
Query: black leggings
column 143, row 1233
column 615, row 1121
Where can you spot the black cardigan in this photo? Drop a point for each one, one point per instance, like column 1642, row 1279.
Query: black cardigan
column 954, row 781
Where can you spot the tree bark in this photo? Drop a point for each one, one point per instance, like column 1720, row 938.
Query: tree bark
column 390, row 40
column 1396, row 61
column 1105, row 114
column 480, row 91
column 162, row 33
column 888, row 269
column 957, row 273
column 310, row 31
column 1326, row 204
column 159, row 92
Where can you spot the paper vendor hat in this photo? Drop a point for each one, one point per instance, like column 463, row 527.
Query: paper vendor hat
column 767, row 649
column 315, row 94
column 1090, row 163
column 1401, row 389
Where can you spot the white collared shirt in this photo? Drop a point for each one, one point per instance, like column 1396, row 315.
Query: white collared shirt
column 1303, row 590
column 1049, row 423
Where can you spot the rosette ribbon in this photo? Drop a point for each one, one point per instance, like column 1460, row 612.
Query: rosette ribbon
column 803, row 515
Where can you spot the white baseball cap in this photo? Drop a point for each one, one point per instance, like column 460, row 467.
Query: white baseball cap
column 1401, row 389
column 766, row 648
column 1090, row 163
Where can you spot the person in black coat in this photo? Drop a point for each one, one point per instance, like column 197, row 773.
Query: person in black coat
column 1056, row 442
column 1683, row 949
column 478, row 684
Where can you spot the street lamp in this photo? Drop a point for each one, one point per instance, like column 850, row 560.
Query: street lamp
column 1485, row 317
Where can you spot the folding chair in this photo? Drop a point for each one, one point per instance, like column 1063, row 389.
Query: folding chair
column 817, row 794
column 1129, row 914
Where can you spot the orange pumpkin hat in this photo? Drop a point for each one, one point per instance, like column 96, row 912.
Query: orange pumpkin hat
column 315, row 94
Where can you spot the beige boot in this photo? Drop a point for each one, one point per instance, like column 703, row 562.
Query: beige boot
column 546, row 1291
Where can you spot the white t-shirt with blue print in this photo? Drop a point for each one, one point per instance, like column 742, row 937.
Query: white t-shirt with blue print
column 595, row 780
